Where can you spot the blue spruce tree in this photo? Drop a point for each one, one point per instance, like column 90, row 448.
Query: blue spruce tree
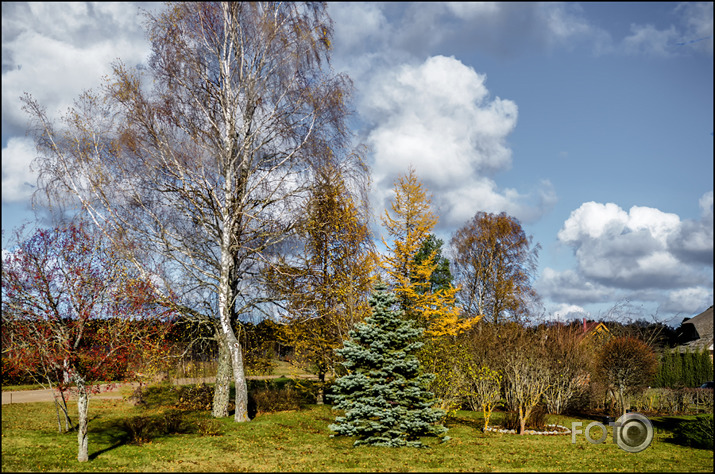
column 384, row 396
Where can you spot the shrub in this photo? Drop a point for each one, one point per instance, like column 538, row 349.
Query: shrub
column 511, row 421
column 626, row 365
column 667, row 401
column 697, row 433
column 195, row 397
column 172, row 421
column 140, row 429
column 536, row 420
column 272, row 399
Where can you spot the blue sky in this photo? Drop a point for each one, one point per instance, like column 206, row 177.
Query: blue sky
column 591, row 123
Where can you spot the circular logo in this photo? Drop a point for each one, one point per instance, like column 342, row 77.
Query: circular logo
column 633, row 432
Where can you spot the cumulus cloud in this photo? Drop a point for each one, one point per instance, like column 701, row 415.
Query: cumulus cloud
column 693, row 242
column 439, row 118
column 626, row 249
column 56, row 50
column 571, row 287
column 18, row 182
column 565, row 312
column 688, row 300
column 644, row 253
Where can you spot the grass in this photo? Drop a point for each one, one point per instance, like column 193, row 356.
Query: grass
column 20, row 388
column 299, row 441
column 287, row 369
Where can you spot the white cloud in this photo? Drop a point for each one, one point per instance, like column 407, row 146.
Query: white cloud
column 692, row 30
column 18, row 182
column 689, row 300
column 697, row 21
column 645, row 253
column 647, row 39
column 439, row 118
column 569, row 287
column 693, row 242
column 361, row 26
column 593, row 220
column 564, row 312
column 509, row 29
column 56, row 50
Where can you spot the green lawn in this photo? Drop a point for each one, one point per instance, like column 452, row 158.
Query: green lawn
column 299, row 441
column 20, row 388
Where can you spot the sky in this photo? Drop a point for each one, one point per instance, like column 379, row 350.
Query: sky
column 590, row 123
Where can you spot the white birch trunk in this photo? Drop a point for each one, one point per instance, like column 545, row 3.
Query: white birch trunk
column 82, row 409
column 223, row 379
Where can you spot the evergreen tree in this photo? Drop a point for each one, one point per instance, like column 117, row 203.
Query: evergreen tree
column 705, row 367
column 384, row 394
column 688, row 368
column 441, row 278
column 677, row 369
column 661, row 375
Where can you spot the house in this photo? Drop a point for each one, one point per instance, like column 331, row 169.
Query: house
column 595, row 330
column 696, row 333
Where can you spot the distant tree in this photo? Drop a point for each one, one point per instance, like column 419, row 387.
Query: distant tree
column 75, row 313
column 259, row 344
column 625, row 365
column 495, row 264
column 384, row 396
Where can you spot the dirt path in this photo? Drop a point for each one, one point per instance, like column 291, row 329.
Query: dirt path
column 30, row 396
column 106, row 391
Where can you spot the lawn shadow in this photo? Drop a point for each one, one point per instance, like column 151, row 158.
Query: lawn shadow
column 476, row 424
column 109, row 432
column 96, row 454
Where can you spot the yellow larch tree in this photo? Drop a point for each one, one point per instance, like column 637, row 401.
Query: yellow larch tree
column 409, row 225
column 326, row 282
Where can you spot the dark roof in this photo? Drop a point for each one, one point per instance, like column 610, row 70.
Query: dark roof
column 701, row 327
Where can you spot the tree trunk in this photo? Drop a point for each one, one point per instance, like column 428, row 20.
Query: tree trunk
column 321, row 389
column 622, row 399
column 57, row 409
column 239, row 379
column 222, row 388
column 522, row 421
column 226, row 302
column 63, row 407
column 82, row 409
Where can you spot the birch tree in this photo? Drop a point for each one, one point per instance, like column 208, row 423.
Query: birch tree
column 495, row 265
column 203, row 157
